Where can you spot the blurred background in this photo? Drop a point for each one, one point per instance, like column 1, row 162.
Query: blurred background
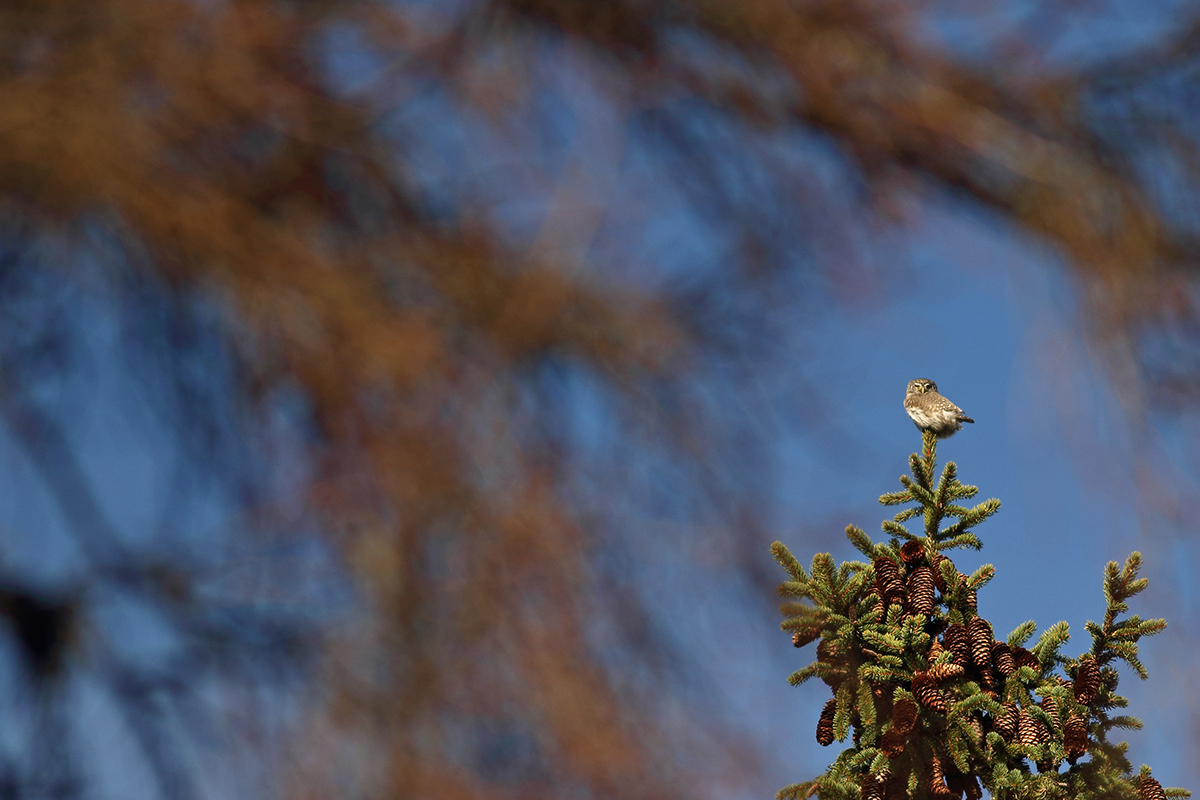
column 398, row 398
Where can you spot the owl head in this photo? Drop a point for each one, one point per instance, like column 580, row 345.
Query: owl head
column 920, row 386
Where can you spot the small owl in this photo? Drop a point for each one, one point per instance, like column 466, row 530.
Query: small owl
column 932, row 412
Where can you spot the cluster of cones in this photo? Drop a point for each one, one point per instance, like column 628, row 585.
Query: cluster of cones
column 975, row 655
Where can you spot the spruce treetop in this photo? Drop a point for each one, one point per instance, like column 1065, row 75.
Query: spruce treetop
column 936, row 706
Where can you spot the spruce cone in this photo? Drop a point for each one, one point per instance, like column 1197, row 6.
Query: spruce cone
column 830, row 652
column 912, row 551
column 972, row 597
column 957, row 782
column 920, row 591
column 944, row 672
column 1075, row 738
column 1029, row 732
column 888, row 585
column 1087, row 681
column 935, row 650
column 1149, row 789
column 958, row 643
column 980, row 633
column 1006, row 723
column 926, row 690
column 960, row 784
column 976, row 725
column 1050, row 706
column 805, row 636
column 938, row 580
column 904, row 715
column 1002, row 657
column 987, row 678
column 1024, row 658
column 937, row 779
column 825, row 723
column 872, row 788
column 891, row 744
column 883, row 700
column 887, row 572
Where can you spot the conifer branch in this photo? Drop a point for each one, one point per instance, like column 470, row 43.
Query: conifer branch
column 861, row 541
column 896, row 498
column 929, row 450
column 918, row 492
column 898, row 530
column 785, row 559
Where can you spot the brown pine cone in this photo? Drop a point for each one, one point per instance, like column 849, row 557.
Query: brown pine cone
column 976, row 725
column 1075, row 738
column 935, row 650
column 957, row 642
column 920, row 591
column 1050, row 706
column 805, row 636
column 926, row 690
column 904, row 715
column 891, row 744
column 872, row 788
column 972, row 596
column 1006, row 723
column 912, row 552
column 1149, row 789
column 1025, row 658
column 945, row 672
column 1029, row 731
column 886, row 572
column 980, row 633
column 1087, row 681
column 829, row 651
column 937, row 779
column 883, row 702
column 1002, row 657
column 825, row 723
column 960, row 784
column 938, row 580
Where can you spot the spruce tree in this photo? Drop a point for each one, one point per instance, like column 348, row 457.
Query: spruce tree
column 934, row 705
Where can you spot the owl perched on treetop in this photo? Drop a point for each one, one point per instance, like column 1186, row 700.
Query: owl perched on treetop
column 932, row 412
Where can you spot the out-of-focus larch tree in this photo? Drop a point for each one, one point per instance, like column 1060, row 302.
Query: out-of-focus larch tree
column 421, row 230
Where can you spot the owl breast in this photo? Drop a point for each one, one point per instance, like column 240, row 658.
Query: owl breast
column 942, row 420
